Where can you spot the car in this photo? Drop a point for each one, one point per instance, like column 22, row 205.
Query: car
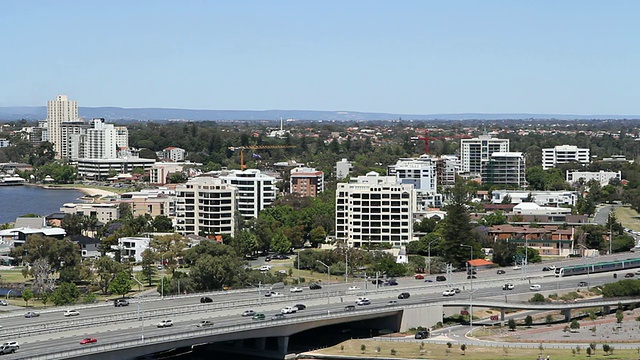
column 354, row 288
column 516, row 267
column 265, row 268
column 267, row 258
column 295, row 289
column 349, row 308
column 392, row 303
column 471, row 277
column 71, row 313
column 457, row 290
column 258, row 316
column 508, row 286
column 422, row 335
column 88, row 341
column 205, row 323
column 552, row 267
column 7, row 349
column 419, row 277
column 314, row 286
column 404, row 295
column 275, row 293
column 441, row 278
column 448, row 292
column 501, row 272
column 300, row 306
column 377, row 281
column 12, row 343
column 248, row 313
column 206, row 299
column 360, row 298
column 165, row 323
column 535, row 287
column 390, row 282
column 282, row 272
column 278, row 317
column 289, row 310
column 637, row 272
column 31, row 314
column 549, row 268
column 583, row 283
column 628, row 275
column 3, row 302
column 428, row 280
column 364, row 301
column 160, row 267
column 120, row 302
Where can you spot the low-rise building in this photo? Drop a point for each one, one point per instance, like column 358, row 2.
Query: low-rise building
column 103, row 212
column 602, row 177
column 132, row 247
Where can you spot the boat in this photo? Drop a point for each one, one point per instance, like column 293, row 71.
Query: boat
column 11, row 180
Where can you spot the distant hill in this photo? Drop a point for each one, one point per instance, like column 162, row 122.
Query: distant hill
column 159, row 114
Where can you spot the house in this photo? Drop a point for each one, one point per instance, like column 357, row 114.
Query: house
column 89, row 247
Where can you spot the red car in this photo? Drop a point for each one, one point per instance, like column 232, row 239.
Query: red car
column 88, row 341
column 419, row 276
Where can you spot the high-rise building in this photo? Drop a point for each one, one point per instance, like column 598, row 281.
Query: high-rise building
column 343, row 168
column 474, row 152
column 72, row 139
column 206, row 206
column 58, row 111
column 101, row 142
column 306, row 181
column 420, row 172
column 256, row 191
column 505, row 168
column 564, row 154
column 447, row 167
column 374, row 209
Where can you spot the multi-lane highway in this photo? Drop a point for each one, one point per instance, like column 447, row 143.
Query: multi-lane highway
column 53, row 332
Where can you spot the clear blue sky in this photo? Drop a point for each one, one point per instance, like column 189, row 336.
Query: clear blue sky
column 411, row 57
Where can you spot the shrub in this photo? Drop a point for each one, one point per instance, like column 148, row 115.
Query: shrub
column 528, row 321
column 463, row 347
column 574, row 324
column 606, row 348
column 512, row 324
column 393, row 352
column 363, row 348
column 449, row 344
column 537, row 298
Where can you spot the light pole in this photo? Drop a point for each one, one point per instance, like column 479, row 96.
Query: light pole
column 298, row 259
column 588, row 265
column 610, row 232
column 470, row 274
column 162, row 265
column 140, row 309
column 328, row 278
column 429, row 254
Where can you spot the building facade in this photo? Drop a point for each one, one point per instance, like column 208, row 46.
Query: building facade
column 58, row 111
column 206, row 206
column 256, row 191
column 103, row 212
column 174, row 154
column 306, row 181
column 603, row 177
column 474, row 152
column 101, row 168
column 542, row 198
column 422, row 174
column 505, row 168
column 564, row 154
column 343, row 168
column 374, row 209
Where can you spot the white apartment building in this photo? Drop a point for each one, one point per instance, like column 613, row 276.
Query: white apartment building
column 206, row 206
column 343, row 168
column 256, row 191
column 564, row 154
column 100, row 142
column 58, row 111
column 122, row 137
column 420, row 172
column 72, row 139
column 542, row 198
column 374, row 209
column 160, row 172
column 447, row 167
column 132, row 247
column 101, row 168
column 505, row 168
column 603, row 177
column 103, row 212
column 474, row 152
column 173, row 153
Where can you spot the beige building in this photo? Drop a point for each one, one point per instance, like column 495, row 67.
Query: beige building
column 104, row 212
column 58, row 111
column 206, row 206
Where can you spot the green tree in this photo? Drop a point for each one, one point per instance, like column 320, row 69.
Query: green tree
column 72, row 224
column 66, row 293
column 537, row 298
column 106, row 269
column 619, row 316
column 162, row 223
column 512, row 324
column 280, row 243
column 317, row 236
column 148, row 265
column 528, row 321
column 575, row 325
column 457, row 228
column 494, row 218
column 27, row 295
column 121, row 284
column 245, row 243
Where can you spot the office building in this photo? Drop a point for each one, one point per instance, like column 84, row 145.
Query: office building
column 59, row 111
column 564, row 154
column 475, row 152
column 374, row 209
column 206, row 206
column 306, row 181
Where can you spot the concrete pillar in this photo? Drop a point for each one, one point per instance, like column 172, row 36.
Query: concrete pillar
column 283, row 344
column 567, row 314
column 502, row 314
column 261, row 343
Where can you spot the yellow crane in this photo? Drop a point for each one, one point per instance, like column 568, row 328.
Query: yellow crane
column 256, row 147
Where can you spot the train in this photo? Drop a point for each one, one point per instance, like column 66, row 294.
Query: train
column 585, row 269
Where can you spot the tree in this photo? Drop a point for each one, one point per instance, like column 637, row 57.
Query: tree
column 457, row 228
column 162, row 223
column 606, row 348
column 280, row 243
column 121, row 284
column 72, row 224
column 27, row 295
column 494, row 218
column 245, row 243
column 575, row 325
column 619, row 316
column 528, row 321
column 148, row 265
column 537, row 298
column 107, row 269
column 66, row 293
column 463, row 347
column 512, row 324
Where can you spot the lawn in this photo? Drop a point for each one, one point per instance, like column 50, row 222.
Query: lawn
column 628, row 217
column 435, row 351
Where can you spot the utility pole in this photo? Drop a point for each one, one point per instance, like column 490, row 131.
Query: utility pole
column 470, row 275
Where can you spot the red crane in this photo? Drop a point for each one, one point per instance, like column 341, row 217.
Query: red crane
column 426, row 139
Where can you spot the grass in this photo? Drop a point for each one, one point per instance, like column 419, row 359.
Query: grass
column 436, row 351
column 12, row 276
column 628, row 217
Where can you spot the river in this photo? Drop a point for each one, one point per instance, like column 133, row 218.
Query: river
column 16, row 201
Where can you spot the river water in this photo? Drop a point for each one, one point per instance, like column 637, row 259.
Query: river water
column 16, row 201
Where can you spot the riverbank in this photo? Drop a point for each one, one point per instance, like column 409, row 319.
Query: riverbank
column 87, row 191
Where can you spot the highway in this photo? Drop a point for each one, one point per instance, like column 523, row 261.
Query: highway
column 51, row 331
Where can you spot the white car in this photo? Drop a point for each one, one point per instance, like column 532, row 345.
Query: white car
column 354, row 288
column 71, row 313
column 276, row 294
column 392, row 303
column 289, row 310
column 362, row 298
column 265, row 267
column 449, row 292
column 535, row 287
column 165, row 323
column 508, row 286
column 295, row 289
column 15, row 344
column 516, row 267
column 205, row 323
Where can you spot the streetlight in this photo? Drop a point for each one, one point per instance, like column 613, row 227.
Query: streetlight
column 328, row 278
column 140, row 310
column 162, row 265
column 429, row 253
column 470, row 274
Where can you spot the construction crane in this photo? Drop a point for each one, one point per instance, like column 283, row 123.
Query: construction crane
column 426, row 138
column 256, row 147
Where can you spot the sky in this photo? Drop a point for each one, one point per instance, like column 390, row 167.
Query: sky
column 401, row 56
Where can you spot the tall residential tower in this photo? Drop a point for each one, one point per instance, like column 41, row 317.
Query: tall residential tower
column 58, row 111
